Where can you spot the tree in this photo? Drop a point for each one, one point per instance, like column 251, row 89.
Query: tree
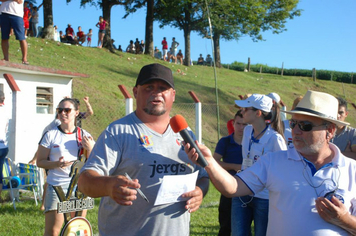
column 131, row 7
column 232, row 19
column 185, row 15
column 48, row 30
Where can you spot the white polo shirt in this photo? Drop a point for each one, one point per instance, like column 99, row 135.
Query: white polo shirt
column 293, row 191
column 271, row 141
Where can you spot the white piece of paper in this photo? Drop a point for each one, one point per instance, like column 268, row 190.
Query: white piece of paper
column 173, row 186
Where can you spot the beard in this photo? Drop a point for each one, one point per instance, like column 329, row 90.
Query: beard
column 155, row 111
column 306, row 148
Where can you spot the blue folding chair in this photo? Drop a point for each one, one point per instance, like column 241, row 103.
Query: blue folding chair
column 22, row 176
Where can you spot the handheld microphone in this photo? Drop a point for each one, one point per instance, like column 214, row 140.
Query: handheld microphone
column 179, row 124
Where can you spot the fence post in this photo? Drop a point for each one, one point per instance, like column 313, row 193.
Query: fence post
column 314, row 74
column 128, row 99
column 260, row 69
column 198, row 125
column 352, row 78
column 248, row 65
column 282, row 68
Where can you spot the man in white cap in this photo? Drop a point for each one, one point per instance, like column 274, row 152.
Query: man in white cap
column 312, row 187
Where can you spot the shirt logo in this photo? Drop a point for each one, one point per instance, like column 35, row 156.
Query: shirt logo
column 145, row 141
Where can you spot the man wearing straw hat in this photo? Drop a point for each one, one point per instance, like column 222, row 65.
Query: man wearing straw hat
column 312, row 187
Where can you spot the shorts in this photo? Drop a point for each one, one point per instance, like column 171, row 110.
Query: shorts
column 51, row 198
column 7, row 22
column 26, row 24
column 165, row 52
column 102, row 31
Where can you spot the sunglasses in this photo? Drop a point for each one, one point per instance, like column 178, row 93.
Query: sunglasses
column 303, row 125
column 66, row 110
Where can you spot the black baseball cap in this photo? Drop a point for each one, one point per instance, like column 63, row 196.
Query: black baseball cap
column 155, row 71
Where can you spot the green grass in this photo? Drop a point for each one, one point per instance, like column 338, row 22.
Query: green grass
column 28, row 219
column 108, row 70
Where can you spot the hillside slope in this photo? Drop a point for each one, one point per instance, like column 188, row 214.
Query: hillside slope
column 108, row 70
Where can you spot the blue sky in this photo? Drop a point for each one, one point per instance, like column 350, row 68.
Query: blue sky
column 323, row 37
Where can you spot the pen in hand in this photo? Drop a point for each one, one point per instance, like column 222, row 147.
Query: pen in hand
column 137, row 189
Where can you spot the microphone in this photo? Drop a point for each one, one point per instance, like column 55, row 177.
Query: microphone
column 179, row 124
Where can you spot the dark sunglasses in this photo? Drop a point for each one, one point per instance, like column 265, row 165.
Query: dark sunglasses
column 303, row 125
column 66, row 110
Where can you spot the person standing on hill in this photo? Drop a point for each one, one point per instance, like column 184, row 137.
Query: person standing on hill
column 12, row 17
column 164, row 49
column 102, row 26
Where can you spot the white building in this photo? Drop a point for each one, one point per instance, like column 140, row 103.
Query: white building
column 31, row 96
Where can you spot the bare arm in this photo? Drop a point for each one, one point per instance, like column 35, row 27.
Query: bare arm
column 336, row 213
column 89, row 109
column 119, row 188
column 43, row 162
column 229, row 186
column 226, row 166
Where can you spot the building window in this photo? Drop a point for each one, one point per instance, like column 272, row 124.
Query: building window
column 44, row 100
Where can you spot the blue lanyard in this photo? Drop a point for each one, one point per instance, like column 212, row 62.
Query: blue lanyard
column 255, row 140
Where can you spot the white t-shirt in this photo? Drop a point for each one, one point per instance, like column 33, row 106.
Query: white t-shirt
column 292, row 198
column 61, row 144
column 12, row 8
column 271, row 141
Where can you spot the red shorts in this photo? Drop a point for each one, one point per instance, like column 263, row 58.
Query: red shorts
column 26, row 23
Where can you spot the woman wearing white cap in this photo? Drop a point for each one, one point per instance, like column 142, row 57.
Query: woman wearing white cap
column 259, row 138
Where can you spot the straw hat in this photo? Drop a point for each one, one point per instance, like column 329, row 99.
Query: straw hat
column 318, row 104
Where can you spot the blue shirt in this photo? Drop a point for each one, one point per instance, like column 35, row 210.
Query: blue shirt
column 230, row 151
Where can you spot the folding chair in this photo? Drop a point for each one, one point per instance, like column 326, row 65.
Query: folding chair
column 14, row 181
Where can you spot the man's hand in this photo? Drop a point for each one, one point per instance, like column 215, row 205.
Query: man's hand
column 122, row 190
column 196, row 198
column 193, row 155
column 333, row 212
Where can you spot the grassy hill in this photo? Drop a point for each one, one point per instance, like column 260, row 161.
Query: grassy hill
column 108, row 70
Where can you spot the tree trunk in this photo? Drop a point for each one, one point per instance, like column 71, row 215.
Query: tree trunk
column 187, row 46
column 216, row 41
column 149, row 28
column 48, row 31
column 107, row 43
column 187, row 29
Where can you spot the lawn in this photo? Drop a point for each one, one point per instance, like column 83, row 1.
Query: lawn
column 29, row 220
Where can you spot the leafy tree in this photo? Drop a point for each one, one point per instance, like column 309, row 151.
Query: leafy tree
column 185, row 15
column 131, row 7
column 232, row 19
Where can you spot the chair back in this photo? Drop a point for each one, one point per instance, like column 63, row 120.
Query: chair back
column 29, row 176
column 7, row 173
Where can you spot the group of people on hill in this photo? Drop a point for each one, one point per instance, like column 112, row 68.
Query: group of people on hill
column 136, row 47
column 171, row 55
column 30, row 18
column 208, row 60
column 80, row 37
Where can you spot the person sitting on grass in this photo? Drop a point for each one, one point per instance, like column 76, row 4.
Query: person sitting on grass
column 201, row 60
